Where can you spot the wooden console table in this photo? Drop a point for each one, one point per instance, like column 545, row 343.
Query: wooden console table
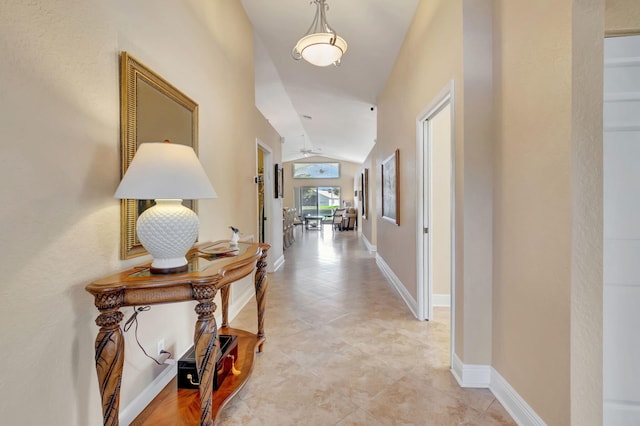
column 210, row 270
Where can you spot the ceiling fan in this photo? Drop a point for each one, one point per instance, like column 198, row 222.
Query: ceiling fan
column 307, row 152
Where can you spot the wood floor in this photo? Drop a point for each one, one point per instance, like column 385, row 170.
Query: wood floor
column 343, row 349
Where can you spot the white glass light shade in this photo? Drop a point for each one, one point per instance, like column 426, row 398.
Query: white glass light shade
column 166, row 173
column 165, row 170
column 318, row 49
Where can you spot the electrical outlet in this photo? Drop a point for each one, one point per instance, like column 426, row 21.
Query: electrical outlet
column 159, row 347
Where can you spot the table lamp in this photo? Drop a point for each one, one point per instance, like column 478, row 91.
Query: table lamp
column 167, row 173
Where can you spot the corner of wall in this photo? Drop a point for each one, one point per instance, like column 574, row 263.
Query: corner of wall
column 485, row 376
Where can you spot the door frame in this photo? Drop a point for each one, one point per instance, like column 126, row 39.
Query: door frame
column 424, row 286
column 268, row 177
column 612, row 408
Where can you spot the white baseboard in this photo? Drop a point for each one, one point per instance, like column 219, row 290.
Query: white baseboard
column 135, row 407
column 441, row 300
column 485, row 376
column 370, row 247
column 397, row 284
column 515, row 405
column 278, row 263
column 470, row 375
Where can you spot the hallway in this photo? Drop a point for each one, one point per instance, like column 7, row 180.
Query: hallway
column 343, row 349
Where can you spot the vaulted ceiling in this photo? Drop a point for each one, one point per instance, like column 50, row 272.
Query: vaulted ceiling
column 328, row 110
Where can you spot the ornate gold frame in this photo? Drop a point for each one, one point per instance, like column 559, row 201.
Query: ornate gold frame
column 132, row 71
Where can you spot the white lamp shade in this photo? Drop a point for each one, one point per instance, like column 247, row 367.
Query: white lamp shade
column 161, row 170
column 318, row 50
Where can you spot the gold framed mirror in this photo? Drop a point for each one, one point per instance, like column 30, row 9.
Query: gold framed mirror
column 151, row 110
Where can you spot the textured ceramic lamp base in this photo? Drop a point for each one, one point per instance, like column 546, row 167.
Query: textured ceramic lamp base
column 168, row 230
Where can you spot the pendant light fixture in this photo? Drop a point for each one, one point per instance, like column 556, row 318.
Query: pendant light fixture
column 320, row 45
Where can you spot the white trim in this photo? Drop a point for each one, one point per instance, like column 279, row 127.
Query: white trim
column 397, row 284
column 622, row 97
column 271, row 205
column 621, row 127
column 370, row 247
column 441, row 300
column 446, row 95
column 515, row 405
column 622, row 62
column 135, row 407
column 485, row 376
column 425, row 304
column 470, row 375
column 277, row 264
column 621, row 413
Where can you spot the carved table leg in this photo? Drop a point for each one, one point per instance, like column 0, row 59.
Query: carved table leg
column 261, row 290
column 109, row 355
column 224, row 297
column 206, row 348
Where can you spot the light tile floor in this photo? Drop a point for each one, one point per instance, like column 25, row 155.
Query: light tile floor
column 343, row 349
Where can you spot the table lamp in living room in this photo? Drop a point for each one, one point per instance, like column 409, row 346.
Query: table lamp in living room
column 167, row 173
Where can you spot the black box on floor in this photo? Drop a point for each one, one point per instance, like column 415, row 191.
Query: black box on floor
column 225, row 358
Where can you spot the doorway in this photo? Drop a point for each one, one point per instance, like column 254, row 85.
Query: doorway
column 264, row 185
column 435, row 208
column 318, row 200
column 621, row 231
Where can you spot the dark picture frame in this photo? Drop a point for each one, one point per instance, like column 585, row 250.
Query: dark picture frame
column 278, row 173
column 364, row 192
column 390, row 177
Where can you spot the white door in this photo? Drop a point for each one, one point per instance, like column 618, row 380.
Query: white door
column 435, row 247
column 621, row 251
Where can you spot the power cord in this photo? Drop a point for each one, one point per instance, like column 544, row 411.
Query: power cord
column 133, row 320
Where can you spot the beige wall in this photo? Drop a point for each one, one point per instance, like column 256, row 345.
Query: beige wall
column 532, row 244
column 622, row 17
column 60, row 152
column 348, row 171
column 528, row 247
column 547, row 321
column 431, row 58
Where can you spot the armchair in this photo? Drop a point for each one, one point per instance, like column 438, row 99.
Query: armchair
column 338, row 218
column 350, row 219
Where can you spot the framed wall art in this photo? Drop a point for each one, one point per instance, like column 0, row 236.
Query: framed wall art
column 278, row 173
column 364, row 192
column 316, row 170
column 390, row 173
